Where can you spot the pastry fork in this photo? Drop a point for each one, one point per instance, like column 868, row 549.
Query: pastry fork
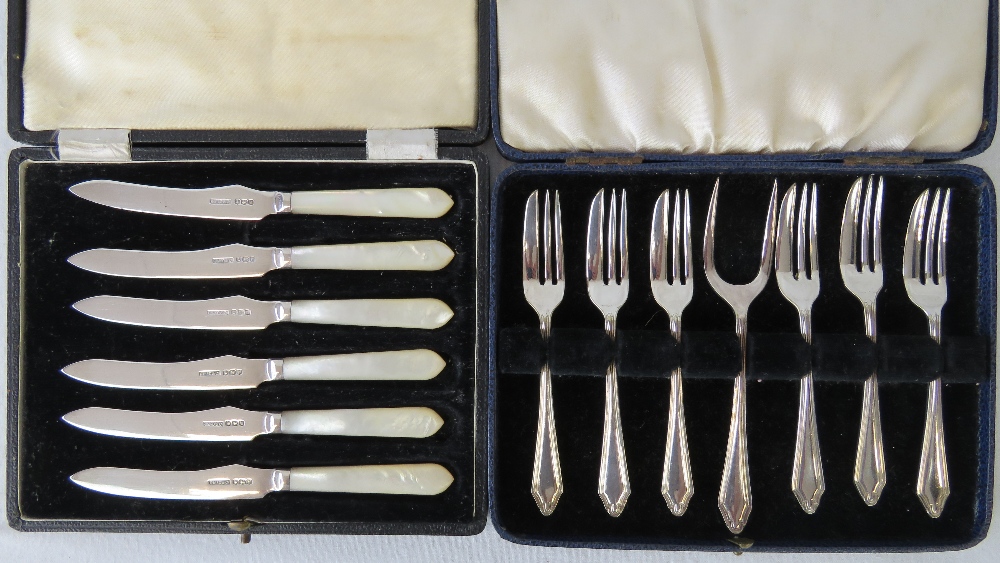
column 928, row 289
column 672, row 288
column 735, row 500
column 607, row 284
column 861, row 270
column 798, row 278
column 543, row 289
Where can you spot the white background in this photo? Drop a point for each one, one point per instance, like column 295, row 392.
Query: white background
column 28, row 547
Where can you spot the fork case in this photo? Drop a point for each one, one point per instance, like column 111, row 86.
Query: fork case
column 488, row 394
column 841, row 358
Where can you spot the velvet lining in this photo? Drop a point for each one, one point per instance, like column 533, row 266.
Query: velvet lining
column 56, row 224
column 905, row 357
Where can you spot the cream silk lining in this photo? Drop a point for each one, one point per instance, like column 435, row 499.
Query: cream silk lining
column 741, row 76
column 250, row 64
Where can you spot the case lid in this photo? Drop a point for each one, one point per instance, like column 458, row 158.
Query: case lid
column 247, row 71
column 744, row 79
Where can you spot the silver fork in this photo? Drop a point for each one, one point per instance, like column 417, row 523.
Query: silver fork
column 928, row 289
column 861, row 270
column 607, row 284
column 735, row 500
column 544, row 289
column 798, row 278
column 673, row 292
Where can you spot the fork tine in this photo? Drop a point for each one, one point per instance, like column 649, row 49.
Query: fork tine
column 560, row 274
column 943, row 237
column 800, row 234
column 595, row 240
column 931, row 243
column 849, row 225
column 657, row 238
column 877, row 224
column 783, row 246
column 529, row 245
column 687, row 237
column 675, row 240
column 547, row 236
column 610, row 243
column 813, row 236
column 914, row 237
column 623, row 237
column 866, row 219
column 770, row 226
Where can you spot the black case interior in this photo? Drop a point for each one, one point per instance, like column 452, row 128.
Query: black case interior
column 777, row 357
column 48, row 224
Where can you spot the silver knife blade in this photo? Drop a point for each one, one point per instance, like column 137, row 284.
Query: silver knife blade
column 226, row 202
column 230, row 261
column 224, row 372
column 225, row 313
column 226, row 424
column 221, row 483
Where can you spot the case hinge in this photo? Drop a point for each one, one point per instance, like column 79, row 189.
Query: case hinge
column 882, row 160
column 402, row 144
column 604, row 160
column 94, row 145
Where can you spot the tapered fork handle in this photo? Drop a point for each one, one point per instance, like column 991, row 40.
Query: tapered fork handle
column 735, row 500
column 546, row 478
column 613, row 484
column 808, row 483
column 869, row 462
column 933, row 487
column 677, row 486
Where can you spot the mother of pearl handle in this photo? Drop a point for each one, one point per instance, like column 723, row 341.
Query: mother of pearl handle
column 399, row 313
column 394, row 365
column 427, row 255
column 403, row 422
column 416, row 203
column 405, row 479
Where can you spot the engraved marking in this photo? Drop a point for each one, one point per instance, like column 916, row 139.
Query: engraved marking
column 224, row 423
column 228, row 312
column 219, row 201
column 235, row 372
column 234, row 481
column 234, row 260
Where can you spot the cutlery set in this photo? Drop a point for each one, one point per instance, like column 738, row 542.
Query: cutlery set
column 228, row 424
column 791, row 248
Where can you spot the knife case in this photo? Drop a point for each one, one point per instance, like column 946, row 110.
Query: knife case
column 274, row 125
column 644, row 97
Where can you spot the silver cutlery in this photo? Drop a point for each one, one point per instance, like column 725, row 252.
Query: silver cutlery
column 240, row 482
column 241, row 261
column 242, row 203
column 861, row 270
column 543, row 289
column 927, row 286
column 735, row 501
column 231, row 372
column 796, row 266
column 607, row 285
column 242, row 313
column 672, row 285
column 230, row 424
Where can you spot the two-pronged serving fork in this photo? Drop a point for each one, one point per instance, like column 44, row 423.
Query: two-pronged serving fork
column 673, row 286
column 796, row 265
column 734, row 495
column 927, row 286
column 542, row 278
column 607, row 284
column 861, row 270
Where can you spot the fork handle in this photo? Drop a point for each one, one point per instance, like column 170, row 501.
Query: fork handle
column 933, row 487
column 546, row 476
column 735, row 501
column 613, row 485
column 677, row 485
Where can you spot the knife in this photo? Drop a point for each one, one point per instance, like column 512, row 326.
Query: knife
column 230, row 424
column 241, row 261
column 243, row 203
column 230, row 372
column 243, row 313
column 241, row 482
